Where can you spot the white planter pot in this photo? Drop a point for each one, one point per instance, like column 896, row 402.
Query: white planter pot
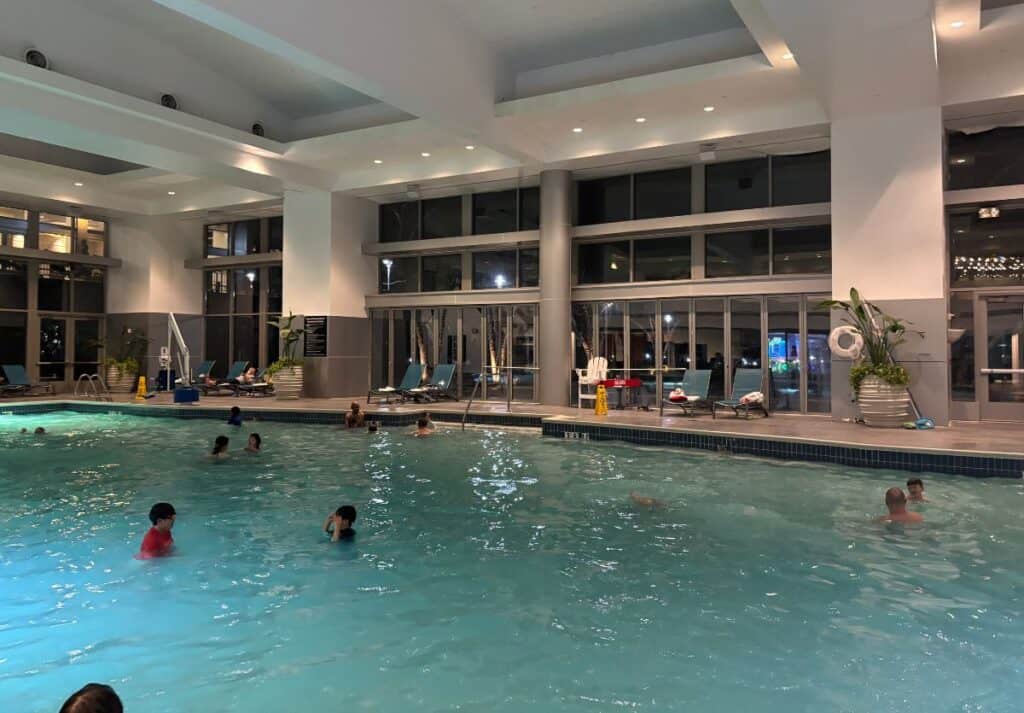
column 883, row 405
column 120, row 382
column 288, row 383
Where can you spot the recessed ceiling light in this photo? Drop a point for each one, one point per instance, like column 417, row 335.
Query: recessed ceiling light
column 788, row 55
column 425, row 154
column 577, row 129
column 709, row 108
column 640, row 119
column 79, row 184
column 988, row 212
column 377, row 161
column 956, row 24
column 959, row 160
column 470, row 147
column 171, row 193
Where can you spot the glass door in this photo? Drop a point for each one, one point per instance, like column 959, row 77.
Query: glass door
column 87, row 347
column 1001, row 347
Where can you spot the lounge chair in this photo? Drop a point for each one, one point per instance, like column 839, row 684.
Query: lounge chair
column 695, row 384
column 744, row 381
column 200, row 374
column 259, row 387
column 595, row 373
column 439, row 387
column 413, row 377
column 17, row 383
column 229, row 382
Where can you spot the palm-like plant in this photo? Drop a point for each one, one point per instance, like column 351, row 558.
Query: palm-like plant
column 290, row 336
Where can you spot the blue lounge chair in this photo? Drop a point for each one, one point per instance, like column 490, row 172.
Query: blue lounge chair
column 201, row 373
column 260, row 387
column 695, row 384
column 17, row 383
column 439, row 387
column 230, row 382
column 744, row 381
column 413, row 377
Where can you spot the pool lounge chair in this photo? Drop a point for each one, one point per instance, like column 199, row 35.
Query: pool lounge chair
column 411, row 380
column 260, row 387
column 17, row 383
column 229, row 383
column 695, row 384
column 439, row 387
column 744, row 381
column 200, row 374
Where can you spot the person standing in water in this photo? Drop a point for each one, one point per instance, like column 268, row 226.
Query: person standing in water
column 896, row 501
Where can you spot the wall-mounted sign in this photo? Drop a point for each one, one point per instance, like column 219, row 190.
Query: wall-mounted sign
column 316, row 337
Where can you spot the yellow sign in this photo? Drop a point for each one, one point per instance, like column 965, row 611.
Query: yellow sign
column 601, row 402
column 140, row 394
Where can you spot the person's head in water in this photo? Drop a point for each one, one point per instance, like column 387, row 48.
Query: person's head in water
column 895, row 500
column 235, row 412
column 372, row 428
column 162, row 516
column 347, row 514
column 40, row 431
column 422, row 423
column 354, row 407
column 915, row 489
column 93, row 698
column 220, row 445
column 253, row 446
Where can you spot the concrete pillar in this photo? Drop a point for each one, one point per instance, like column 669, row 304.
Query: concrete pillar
column 325, row 273
column 555, row 276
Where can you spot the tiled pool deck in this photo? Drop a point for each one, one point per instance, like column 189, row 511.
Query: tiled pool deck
column 965, row 448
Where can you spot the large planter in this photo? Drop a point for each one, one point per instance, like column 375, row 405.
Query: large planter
column 120, row 382
column 288, row 383
column 883, row 405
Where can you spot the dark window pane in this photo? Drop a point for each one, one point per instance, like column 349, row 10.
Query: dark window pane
column 741, row 253
column 399, row 274
column 442, row 217
column 217, row 243
column 275, row 234
column 583, row 334
column 87, row 348
column 803, row 178
column 400, row 221
column 88, row 289
column 494, row 212
column 988, row 158
column 709, row 325
column 784, row 353
column 247, row 289
column 961, row 351
column 987, row 251
column 802, row 250
column 217, row 344
column 54, row 287
column 494, row 270
column 274, row 289
column 660, row 194
column 247, row 340
column 529, row 267
column 441, row 273
column 52, row 348
column 746, row 334
column 217, row 292
column 13, row 285
column 245, row 237
column 12, row 338
column 603, row 200
column 603, row 262
column 662, row 259
column 736, row 185
column 529, row 208
column 273, row 339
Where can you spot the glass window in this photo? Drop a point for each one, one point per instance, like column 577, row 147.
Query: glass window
column 447, row 335
column 961, row 362
column 274, row 289
column 661, row 194
column 13, row 227
column 442, row 217
column 398, row 274
column 784, row 353
column 275, row 234
column 424, row 333
column 529, row 208
column 247, row 340
column 736, row 185
column 399, row 222
column 91, row 236
column 661, row 259
column 218, row 344
column 819, row 356
column 247, row 289
column 494, row 270
column 987, row 158
column 746, row 334
column 802, row 250
column 675, row 343
column 472, row 349
column 88, row 289
column 13, row 285
column 603, row 262
column 87, row 347
column 217, row 243
column 55, row 232
column 987, row 251
column 217, row 292
column 380, row 348
column 54, row 287
column 611, row 338
column 736, row 254
column 273, row 338
column 583, row 333
column 529, row 267
column 603, row 200
column 441, row 273
column 801, row 178
column 52, row 348
column 524, row 352
column 12, row 338
column 709, row 325
column 643, row 339
column 245, row 237
column 494, row 212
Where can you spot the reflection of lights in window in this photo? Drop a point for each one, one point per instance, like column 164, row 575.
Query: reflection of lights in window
column 387, row 263
column 668, row 319
column 499, row 281
column 647, row 355
column 251, row 276
column 614, row 266
column 988, row 212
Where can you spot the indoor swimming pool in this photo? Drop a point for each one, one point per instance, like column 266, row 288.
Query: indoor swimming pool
column 492, row 571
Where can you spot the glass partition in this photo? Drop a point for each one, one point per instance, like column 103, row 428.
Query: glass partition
column 745, row 345
column 819, row 356
column 643, row 347
column 611, row 339
column 425, row 344
column 52, row 348
column 524, row 353
column 675, row 343
column 380, row 361
column 961, row 364
column 709, row 326
column 472, row 348
column 784, row 353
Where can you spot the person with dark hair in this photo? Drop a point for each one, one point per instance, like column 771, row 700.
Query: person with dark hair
column 354, row 418
column 220, row 448
column 339, row 523
column 896, row 501
column 254, row 444
column 235, row 419
column 158, row 541
column 424, row 427
column 915, row 491
column 93, row 698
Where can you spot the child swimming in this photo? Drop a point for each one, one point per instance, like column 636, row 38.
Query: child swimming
column 220, row 448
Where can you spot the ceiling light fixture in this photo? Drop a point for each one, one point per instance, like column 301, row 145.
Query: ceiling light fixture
column 577, row 129
column 171, row 193
column 959, row 161
column 989, row 212
column 78, row 184
column 709, row 108
column 377, row 161
column 956, row 24
column 425, row 154
column 470, row 147
column 788, row 55
column 640, row 119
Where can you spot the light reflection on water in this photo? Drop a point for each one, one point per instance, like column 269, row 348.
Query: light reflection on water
column 492, row 571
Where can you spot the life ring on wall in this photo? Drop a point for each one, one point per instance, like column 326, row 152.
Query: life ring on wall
column 855, row 347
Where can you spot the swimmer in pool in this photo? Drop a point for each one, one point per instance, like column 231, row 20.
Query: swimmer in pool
column 339, row 523
column 424, row 428
column 896, row 501
column 355, row 418
column 93, row 698
column 915, row 491
column 235, row 419
column 158, row 542
column 644, row 501
column 220, row 448
column 253, row 446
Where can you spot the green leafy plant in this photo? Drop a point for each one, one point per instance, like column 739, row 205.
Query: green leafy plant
column 290, row 336
column 881, row 333
column 128, row 351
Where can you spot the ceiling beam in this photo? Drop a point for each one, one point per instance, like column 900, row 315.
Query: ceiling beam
column 761, row 27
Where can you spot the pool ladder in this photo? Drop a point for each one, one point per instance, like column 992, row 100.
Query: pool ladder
column 469, row 404
column 99, row 391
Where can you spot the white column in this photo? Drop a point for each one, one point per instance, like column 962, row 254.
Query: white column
column 555, row 289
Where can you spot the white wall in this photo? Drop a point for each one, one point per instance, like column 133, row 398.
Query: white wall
column 152, row 277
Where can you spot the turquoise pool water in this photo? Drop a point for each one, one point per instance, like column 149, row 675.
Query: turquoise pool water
column 492, row 571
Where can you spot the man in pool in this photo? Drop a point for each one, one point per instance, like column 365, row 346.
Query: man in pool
column 93, row 698
column 339, row 523
column 235, row 419
column 424, row 428
column 896, row 501
column 915, row 491
column 158, row 542
column 354, row 418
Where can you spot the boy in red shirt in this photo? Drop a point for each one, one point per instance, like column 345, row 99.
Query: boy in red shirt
column 158, row 541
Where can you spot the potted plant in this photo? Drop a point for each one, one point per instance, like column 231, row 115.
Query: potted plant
column 286, row 372
column 122, row 367
column 879, row 383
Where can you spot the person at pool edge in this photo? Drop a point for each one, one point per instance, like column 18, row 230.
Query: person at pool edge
column 355, row 418
column 158, row 542
column 339, row 523
column 915, row 491
column 93, row 698
column 235, row 419
column 254, row 444
column 896, row 501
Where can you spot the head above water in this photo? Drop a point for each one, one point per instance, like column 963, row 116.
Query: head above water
column 93, row 698
column 220, row 445
column 915, row 486
column 254, row 440
column 346, row 512
column 161, row 511
column 354, row 407
column 235, row 410
column 40, row 431
column 895, row 499
column 422, row 423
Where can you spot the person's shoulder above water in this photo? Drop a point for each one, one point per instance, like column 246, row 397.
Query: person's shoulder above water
column 896, row 502
column 424, row 427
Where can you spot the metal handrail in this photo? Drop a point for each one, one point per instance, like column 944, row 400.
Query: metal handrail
column 465, row 414
column 92, row 380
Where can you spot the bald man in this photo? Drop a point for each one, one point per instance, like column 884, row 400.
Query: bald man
column 896, row 501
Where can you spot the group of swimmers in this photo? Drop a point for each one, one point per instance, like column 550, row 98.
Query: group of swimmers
column 355, row 418
column 896, row 501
